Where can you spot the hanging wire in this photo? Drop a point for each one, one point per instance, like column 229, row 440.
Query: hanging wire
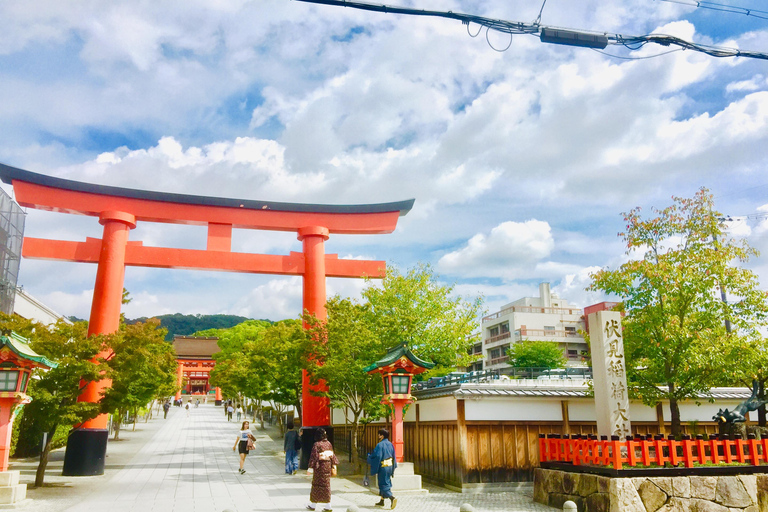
column 518, row 27
column 538, row 18
column 470, row 33
column 714, row 6
column 487, row 40
column 637, row 58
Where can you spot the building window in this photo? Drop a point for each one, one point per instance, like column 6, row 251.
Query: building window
column 478, row 349
column 495, row 353
column 549, row 327
column 494, row 331
column 504, row 327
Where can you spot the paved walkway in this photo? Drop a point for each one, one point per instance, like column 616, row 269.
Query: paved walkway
column 186, row 464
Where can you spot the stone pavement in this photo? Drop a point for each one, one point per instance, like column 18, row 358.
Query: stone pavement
column 186, row 464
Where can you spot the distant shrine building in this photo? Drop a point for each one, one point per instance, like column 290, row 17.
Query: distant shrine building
column 194, row 356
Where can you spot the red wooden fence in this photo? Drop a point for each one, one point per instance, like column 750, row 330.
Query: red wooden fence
column 647, row 451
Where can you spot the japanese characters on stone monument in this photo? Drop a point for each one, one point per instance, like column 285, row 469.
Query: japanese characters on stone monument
column 609, row 374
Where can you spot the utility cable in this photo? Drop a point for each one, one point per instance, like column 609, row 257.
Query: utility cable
column 714, row 6
column 555, row 35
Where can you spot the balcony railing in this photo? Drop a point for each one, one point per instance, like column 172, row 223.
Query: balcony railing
column 502, row 336
column 533, row 309
column 497, row 360
column 547, row 333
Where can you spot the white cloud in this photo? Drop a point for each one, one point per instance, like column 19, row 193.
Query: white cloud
column 510, row 250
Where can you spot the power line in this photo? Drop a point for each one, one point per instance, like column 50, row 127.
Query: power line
column 555, row 35
column 714, row 6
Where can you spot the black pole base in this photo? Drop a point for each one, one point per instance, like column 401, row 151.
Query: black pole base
column 86, row 451
column 308, row 440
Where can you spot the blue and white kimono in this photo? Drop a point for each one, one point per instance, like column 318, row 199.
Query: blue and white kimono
column 383, row 463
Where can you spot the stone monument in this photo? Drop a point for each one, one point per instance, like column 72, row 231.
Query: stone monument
column 609, row 374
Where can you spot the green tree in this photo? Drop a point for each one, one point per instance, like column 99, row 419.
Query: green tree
column 54, row 392
column 674, row 329
column 349, row 345
column 285, row 342
column 242, row 370
column 416, row 308
column 536, row 354
column 141, row 366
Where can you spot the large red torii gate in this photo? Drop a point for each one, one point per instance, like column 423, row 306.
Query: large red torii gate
column 119, row 209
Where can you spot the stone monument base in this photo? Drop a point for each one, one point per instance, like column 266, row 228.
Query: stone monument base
column 596, row 493
column 405, row 481
column 11, row 491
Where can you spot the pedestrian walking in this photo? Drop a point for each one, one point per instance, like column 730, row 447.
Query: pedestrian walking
column 239, row 412
column 166, row 408
column 187, row 408
column 243, row 444
column 291, row 447
column 322, row 465
column 383, row 463
column 230, row 410
column 197, row 404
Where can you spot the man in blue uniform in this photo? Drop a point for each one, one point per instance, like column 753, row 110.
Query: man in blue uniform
column 383, row 463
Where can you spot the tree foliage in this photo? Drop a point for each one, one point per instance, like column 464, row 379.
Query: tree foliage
column 536, row 354
column 674, row 330
column 142, row 367
column 260, row 360
column 413, row 308
column 54, row 392
column 417, row 309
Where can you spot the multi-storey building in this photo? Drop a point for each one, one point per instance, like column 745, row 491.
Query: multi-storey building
column 543, row 318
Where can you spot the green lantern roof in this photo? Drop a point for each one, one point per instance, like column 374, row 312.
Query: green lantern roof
column 20, row 346
column 394, row 354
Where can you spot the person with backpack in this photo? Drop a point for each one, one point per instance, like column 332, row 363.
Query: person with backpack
column 291, row 447
column 166, row 408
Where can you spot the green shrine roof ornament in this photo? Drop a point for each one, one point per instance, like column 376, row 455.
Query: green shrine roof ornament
column 400, row 356
column 19, row 345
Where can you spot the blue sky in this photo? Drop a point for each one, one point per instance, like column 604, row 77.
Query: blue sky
column 520, row 162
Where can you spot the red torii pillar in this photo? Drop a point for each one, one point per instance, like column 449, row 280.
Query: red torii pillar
column 120, row 209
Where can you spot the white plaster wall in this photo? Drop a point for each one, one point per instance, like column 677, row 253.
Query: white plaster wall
column 438, row 409
column 581, row 410
column 410, row 414
column 517, row 409
column 638, row 411
column 689, row 411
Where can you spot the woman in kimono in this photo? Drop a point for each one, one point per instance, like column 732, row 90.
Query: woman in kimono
column 322, row 463
column 383, row 463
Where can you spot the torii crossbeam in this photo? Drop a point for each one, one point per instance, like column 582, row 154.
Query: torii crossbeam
column 119, row 209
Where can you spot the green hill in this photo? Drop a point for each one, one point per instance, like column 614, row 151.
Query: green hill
column 186, row 325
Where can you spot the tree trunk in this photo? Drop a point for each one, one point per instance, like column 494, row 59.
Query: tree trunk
column 117, row 421
column 761, row 409
column 356, row 462
column 40, row 473
column 674, row 409
column 135, row 417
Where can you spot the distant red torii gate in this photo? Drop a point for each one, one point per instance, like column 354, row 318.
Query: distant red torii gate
column 119, row 209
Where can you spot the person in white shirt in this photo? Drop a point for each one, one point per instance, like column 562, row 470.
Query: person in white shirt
column 239, row 412
column 242, row 442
